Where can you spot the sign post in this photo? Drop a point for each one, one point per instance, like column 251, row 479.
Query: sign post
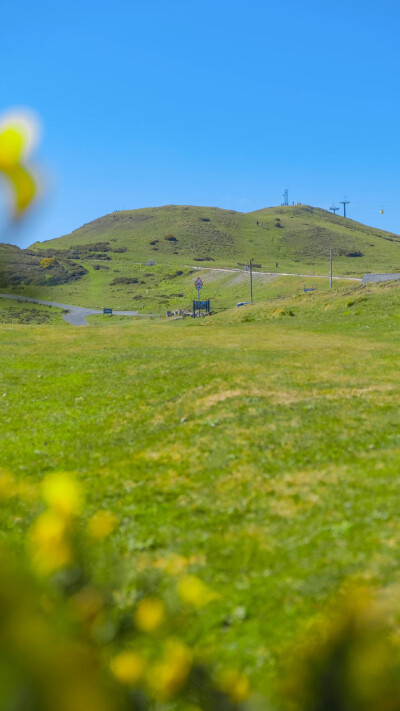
column 200, row 305
column 199, row 285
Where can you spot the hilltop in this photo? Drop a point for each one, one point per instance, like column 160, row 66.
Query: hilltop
column 294, row 236
column 105, row 262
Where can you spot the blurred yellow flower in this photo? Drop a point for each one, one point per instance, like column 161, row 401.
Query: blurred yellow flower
column 88, row 603
column 193, row 591
column 169, row 675
column 149, row 614
column 6, row 486
column 17, row 136
column 173, row 564
column 62, row 494
column 101, row 524
column 234, row 684
column 51, row 549
column 128, row 667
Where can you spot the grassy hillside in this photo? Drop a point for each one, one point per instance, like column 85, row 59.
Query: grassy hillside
column 294, row 236
column 256, row 449
column 102, row 263
column 27, row 313
column 156, row 289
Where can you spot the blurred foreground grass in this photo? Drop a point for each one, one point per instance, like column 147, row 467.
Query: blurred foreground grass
column 257, row 457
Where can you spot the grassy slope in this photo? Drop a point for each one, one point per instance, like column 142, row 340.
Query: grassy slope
column 261, row 446
column 26, row 313
column 227, row 237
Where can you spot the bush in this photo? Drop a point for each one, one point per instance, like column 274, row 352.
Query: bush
column 125, row 280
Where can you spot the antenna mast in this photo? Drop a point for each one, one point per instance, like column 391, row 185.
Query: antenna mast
column 286, row 197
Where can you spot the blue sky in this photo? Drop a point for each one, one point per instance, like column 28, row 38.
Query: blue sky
column 215, row 103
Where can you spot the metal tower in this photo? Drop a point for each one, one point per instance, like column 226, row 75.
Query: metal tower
column 286, row 197
column 344, row 203
column 334, row 209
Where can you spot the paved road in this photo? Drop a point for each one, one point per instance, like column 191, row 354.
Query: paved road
column 76, row 315
column 256, row 271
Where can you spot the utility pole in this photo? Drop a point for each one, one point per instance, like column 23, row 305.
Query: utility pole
column 334, row 209
column 330, row 277
column 344, row 203
column 249, row 267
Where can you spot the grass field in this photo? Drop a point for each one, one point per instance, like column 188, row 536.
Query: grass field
column 257, row 449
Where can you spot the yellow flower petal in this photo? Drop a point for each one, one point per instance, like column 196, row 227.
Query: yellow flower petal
column 128, row 667
column 63, row 494
column 234, row 684
column 51, row 549
column 192, row 590
column 101, row 524
column 149, row 615
column 169, row 675
column 17, row 136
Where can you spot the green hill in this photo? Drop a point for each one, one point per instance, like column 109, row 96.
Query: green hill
column 105, row 261
column 294, row 236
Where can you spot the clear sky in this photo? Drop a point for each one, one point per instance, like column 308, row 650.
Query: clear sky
column 212, row 103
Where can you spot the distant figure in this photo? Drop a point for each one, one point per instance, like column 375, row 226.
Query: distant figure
column 276, row 265
column 262, row 224
column 257, row 223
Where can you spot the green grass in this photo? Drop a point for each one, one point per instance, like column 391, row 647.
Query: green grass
column 27, row 313
column 260, row 446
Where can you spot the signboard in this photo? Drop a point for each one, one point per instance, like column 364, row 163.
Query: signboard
column 198, row 283
column 201, row 306
column 107, row 311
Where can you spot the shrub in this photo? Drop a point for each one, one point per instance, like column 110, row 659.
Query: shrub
column 125, row 280
column 47, row 262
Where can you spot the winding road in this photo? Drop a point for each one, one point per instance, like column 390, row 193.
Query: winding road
column 76, row 315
